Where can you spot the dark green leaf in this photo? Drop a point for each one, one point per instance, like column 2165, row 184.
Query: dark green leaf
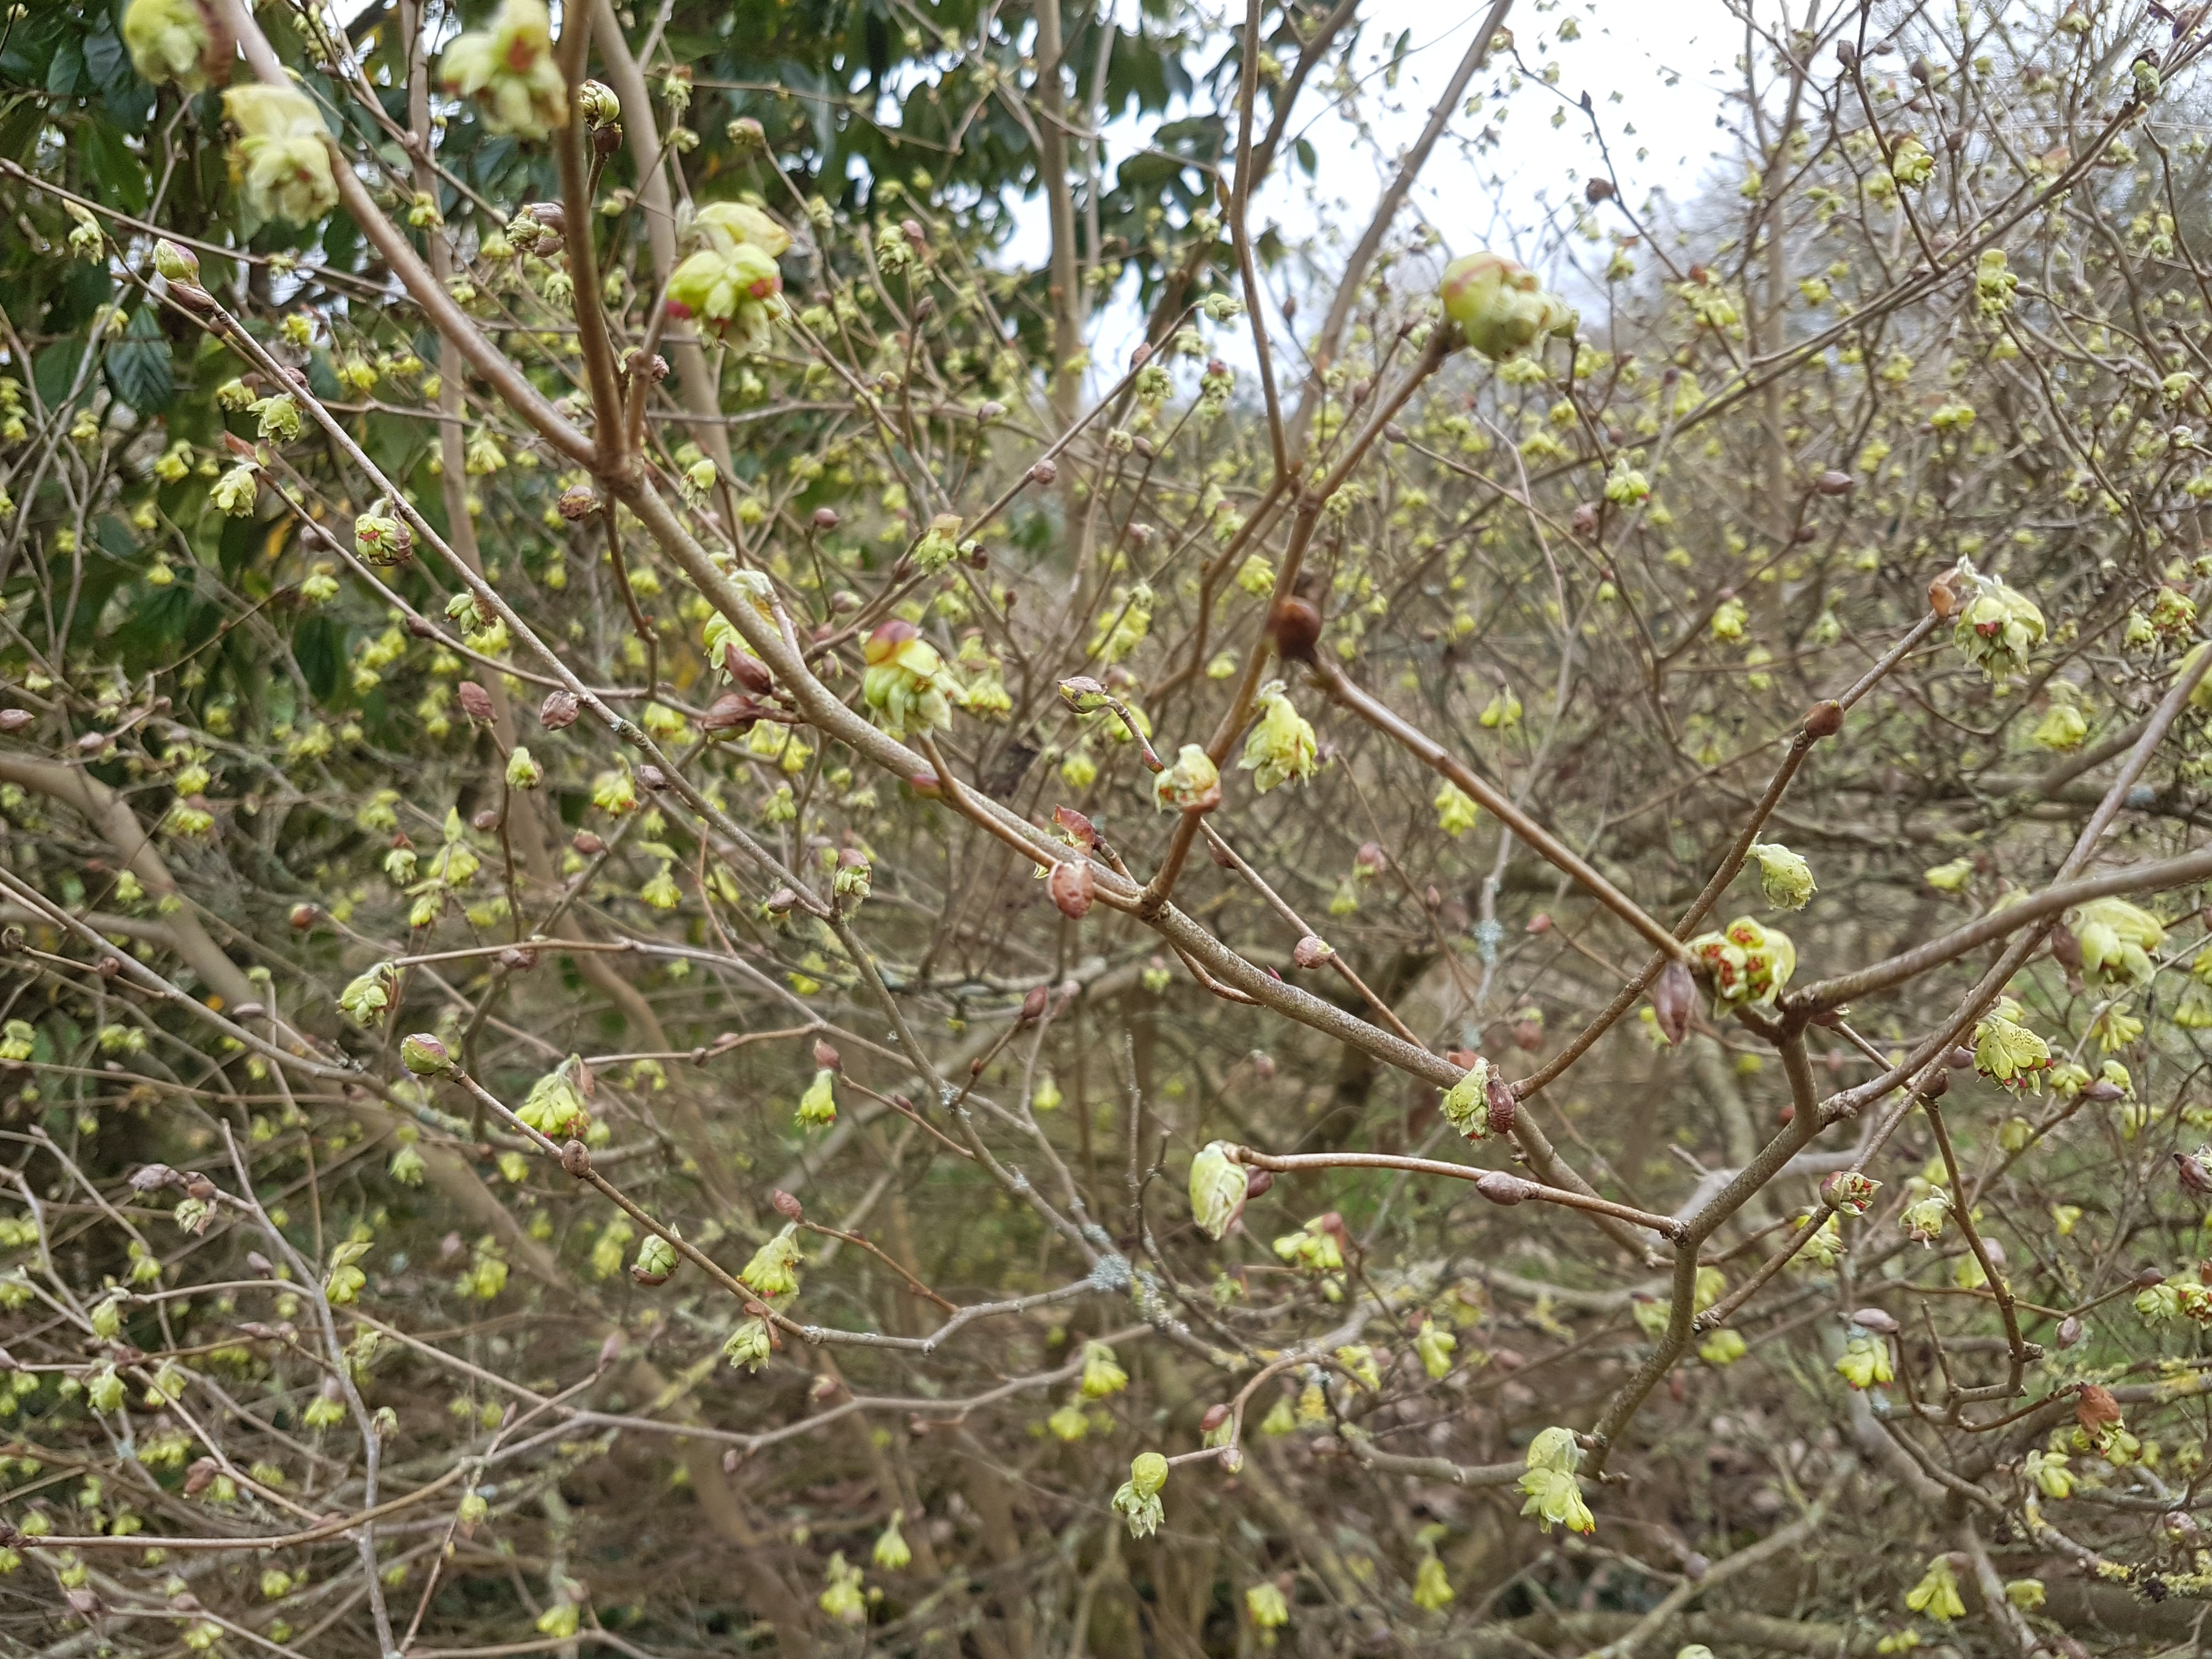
column 121, row 174
column 65, row 70
column 318, row 646
column 139, row 370
column 53, row 371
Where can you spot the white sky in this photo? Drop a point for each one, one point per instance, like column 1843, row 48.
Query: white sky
column 1657, row 71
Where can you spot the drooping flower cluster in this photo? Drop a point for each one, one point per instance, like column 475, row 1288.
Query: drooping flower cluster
column 1467, row 1102
column 1555, row 1496
column 1315, row 1246
column 1193, row 784
column 510, row 70
column 2117, row 938
column 1749, row 963
column 1499, row 306
column 907, row 682
column 2006, row 1052
column 554, row 1106
column 733, row 279
column 1785, row 876
column 179, row 41
column 1865, row 1362
column 773, row 1270
column 281, row 157
column 1997, row 626
column 1281, row 748
column 1137, row 1500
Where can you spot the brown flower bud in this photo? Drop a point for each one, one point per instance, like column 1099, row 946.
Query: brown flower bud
column 2194, row 1175
column 13, row 721
column 2070, row 1331
column 558, row 711
column 1257, row 1181
column 1833, row 484
column 1879, row 1321
column 749, row 671
column 1502, row 1103
column 826, row 1058
column 576, row 1158
column 1597, row 190
column 1034, row 1003
column 487, row 820
column 1076, row 827
column 1072, row 887
column 733, row 711
column 825, row 518
column 588, row 844
column 1294, row 627
column 785, row 1206
column 1044, row 472
column 1311, row 952
column 201, row 1475
column 1584, row 521
column 1824, row 719
column 1500, row 1188
column 1216, row 1415
column 578, row 502
column 650, row 776
column 304, row 916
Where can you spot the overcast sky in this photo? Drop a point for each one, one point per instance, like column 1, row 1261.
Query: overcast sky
column 1657, row 72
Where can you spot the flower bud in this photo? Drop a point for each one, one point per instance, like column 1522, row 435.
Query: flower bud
column 599, row 106
column 1294, row 629
column 1216, row 1189
column 1148, row 1472
column 656, row 1260
column 826, row 1058
column 559, row 710
column 1673, row 995
column 1500, row 1188
column 785, row 1206
column 1467, row 1102
column 178, row 265
column 475, row 701
column 424, row 1055
column 1073, row 885
column 1785, row 876
column 1850, row 1192
column 1311, row 952
column 382, row 540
